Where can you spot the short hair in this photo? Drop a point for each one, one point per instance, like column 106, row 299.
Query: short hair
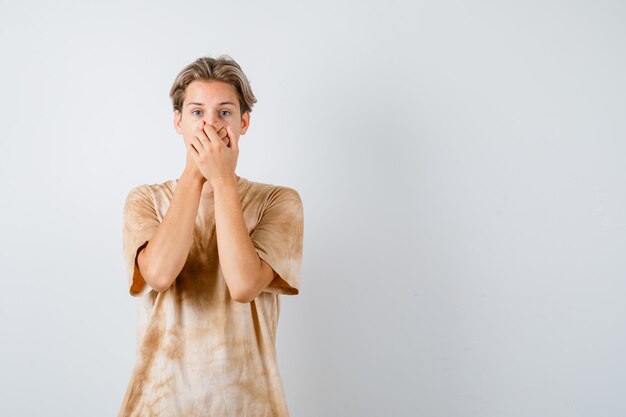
column 222, row 68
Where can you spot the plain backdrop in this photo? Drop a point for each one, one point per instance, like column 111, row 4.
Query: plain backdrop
column 461, row 165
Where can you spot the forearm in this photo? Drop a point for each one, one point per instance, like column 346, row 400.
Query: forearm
column 239, row 260
column 163, row 258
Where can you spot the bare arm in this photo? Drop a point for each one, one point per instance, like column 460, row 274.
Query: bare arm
column 245, row 273
column 162, row 259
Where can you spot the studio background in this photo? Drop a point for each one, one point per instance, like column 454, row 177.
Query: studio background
column 461, row 165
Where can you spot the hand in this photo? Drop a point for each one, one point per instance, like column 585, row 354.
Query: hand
column 215, row 152
column 191, row 168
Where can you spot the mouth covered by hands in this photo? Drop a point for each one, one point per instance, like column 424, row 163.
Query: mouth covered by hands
column 215, row 151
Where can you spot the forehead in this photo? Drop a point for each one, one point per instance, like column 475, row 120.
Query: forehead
column 210, row 92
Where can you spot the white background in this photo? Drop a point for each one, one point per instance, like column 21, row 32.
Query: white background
column 461, row 165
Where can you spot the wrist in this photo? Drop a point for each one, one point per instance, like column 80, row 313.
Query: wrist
column 192, row 178
column 222, row 182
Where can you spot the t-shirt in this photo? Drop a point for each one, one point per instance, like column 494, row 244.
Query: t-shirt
column 199, row 352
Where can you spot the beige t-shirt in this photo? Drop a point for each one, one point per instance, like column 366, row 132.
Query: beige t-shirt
column 199, row 352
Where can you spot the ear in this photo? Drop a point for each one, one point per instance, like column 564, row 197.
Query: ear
column 178, row 122
column 245, row 122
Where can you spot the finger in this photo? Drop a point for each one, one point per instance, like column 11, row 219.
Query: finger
column 211, row 134
column 196, row 145
column 200, row 134
column 234, row 142
column 192, row 153
column 224, row 135
column 221, row 132
column 195, row 157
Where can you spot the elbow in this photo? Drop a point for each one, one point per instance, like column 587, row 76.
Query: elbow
column 248, row 290
column 146, row 270
column 157, row 282
column 161, row 283
column 241, row 296
column 240, row 290
column 158, row 287
column 243, row 299
column 154, row 283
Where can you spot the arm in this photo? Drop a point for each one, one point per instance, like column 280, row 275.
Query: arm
column 245, row 273
column 162, row 259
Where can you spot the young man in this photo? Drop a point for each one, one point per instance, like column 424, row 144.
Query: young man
column 209, row 254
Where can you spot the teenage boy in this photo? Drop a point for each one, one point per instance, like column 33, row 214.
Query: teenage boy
column 209, row 254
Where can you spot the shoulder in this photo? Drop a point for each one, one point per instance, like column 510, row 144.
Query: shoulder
column 272, row 192
column 150, row 191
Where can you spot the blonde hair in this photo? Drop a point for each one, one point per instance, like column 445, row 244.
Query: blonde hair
column 222, row 68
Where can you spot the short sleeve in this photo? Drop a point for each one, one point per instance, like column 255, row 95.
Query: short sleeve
column 278, row 238
column 140, row 224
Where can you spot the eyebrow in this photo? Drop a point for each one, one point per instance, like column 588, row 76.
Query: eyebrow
column 200, row 104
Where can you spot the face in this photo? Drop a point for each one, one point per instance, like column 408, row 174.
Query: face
column 216, row 103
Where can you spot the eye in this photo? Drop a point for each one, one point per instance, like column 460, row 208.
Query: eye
column 225, row 111
column 194, row 112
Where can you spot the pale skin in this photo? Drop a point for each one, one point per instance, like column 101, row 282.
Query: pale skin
column 212, row 141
